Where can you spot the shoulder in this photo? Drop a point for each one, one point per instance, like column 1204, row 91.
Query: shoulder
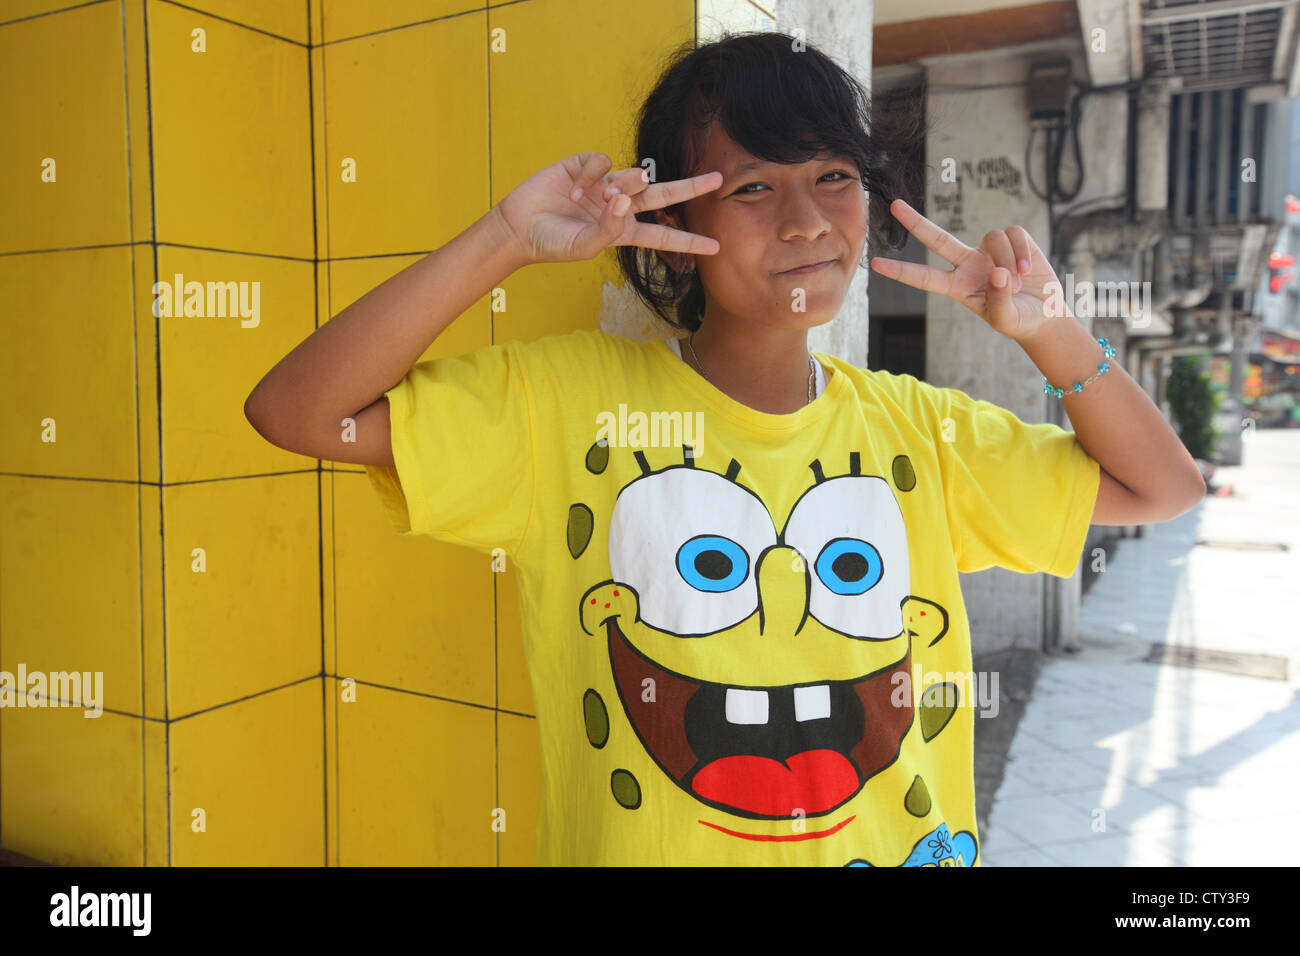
column 894, row 394
column 579, row 342
column 580, row 360
column 580, row 351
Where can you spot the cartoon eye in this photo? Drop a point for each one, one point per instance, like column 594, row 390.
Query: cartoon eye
column 686, row 540
column 861, row 572
column 713, row 563
column 849, row 566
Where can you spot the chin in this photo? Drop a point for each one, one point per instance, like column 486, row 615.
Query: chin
column 817, row 317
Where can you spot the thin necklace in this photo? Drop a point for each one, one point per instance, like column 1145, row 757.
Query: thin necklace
column 812, row 369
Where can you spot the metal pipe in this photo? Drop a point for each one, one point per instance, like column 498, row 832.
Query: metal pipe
column 1130, row 198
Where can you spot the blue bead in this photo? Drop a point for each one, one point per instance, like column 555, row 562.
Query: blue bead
column 1047, row 390
column 1078, row 387
column 1103, row 342
column 1104, row 367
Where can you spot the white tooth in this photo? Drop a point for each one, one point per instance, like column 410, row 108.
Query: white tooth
column 812, row 703
column 746, row 706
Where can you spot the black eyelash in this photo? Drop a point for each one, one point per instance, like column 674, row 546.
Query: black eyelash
column 834, row 172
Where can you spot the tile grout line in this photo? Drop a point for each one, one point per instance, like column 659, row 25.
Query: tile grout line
column 143, row 8
column 320, row 478
column 135, row 391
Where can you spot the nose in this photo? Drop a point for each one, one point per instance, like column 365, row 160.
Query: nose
column 782, row 591
column 804, row 218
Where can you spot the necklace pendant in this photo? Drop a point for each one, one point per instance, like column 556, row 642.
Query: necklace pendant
column 812, row 368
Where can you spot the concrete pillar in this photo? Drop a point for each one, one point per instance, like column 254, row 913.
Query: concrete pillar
column 1061, row 596
column 1234, row 405
column 978, row 181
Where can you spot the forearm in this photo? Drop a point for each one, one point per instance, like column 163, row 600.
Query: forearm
column 350, row 361
column 1113, row 418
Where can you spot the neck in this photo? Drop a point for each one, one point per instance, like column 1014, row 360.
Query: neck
column 767, row 370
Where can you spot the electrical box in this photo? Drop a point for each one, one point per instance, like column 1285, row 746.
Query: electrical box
column 1049, row 91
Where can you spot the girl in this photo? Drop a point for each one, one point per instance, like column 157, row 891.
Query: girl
column 737, row 562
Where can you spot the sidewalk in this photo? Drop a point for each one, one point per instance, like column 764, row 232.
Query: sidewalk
column 1121, row 762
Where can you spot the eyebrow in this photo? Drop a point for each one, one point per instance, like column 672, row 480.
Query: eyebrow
column 759, row 163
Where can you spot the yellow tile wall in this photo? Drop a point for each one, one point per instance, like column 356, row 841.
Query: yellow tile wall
column 285, row 681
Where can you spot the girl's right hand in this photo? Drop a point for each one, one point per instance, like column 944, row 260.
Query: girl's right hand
column 576, row 208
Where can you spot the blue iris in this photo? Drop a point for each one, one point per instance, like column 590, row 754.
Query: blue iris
column 712, row 563
column 849, row 566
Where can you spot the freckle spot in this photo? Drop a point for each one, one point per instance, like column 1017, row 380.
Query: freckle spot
column 596, row 718
column 580, row 525
column 922, row 614
column 606, row 605
column 597, row 458
column 593, row 600
column 917, row 802
column 625, row 788
column 904, row 474
column 938, row 704
column 615, row 594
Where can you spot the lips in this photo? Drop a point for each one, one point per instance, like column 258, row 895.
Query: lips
column 813, row 780
column 762, row 752
column 808, row 268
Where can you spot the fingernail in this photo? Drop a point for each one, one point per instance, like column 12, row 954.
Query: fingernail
column 999, row 279
column 1024, row 265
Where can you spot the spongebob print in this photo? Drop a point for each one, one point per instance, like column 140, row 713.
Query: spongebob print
column 764, row 670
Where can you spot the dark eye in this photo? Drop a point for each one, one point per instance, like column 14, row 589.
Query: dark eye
column 712, row 563
column 741, row 190
column 849, row 566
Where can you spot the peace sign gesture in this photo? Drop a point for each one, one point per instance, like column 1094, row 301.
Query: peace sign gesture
column 1006, row 281
column 575, row 208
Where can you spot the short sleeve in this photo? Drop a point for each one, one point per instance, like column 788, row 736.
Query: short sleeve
column 1018, row 496
column 463, row 444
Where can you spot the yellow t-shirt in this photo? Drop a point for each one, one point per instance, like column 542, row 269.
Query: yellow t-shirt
column 744, row 631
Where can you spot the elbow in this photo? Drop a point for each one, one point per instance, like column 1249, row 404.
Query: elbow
column 1173, row 505
column 1179, row 510
column 1198, row 488
column 250, row 412
column 255, row 413
column 1185, row 493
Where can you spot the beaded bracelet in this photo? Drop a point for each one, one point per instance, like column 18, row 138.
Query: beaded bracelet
column 1106, row 350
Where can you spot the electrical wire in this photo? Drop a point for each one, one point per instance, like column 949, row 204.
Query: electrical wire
column 1056, row 134
column 1053, row 193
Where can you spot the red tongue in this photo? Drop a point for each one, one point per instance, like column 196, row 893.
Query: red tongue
column 815, row 781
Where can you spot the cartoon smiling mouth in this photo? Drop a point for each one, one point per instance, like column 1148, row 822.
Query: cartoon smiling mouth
column 763, row 752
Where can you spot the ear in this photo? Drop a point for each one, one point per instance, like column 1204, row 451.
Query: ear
column 675, row 260
column 924, row 620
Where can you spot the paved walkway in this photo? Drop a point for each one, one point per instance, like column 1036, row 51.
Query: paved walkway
column 1120, row 762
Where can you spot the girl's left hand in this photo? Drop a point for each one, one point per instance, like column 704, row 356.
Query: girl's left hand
column 1016, row 308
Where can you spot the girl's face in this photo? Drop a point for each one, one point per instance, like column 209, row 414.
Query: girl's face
column 770, row 218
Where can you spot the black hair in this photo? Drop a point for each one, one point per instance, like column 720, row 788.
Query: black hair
column 783, row 101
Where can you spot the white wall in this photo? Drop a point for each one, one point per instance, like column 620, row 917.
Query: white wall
column 984, row 133
column 894, row 11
